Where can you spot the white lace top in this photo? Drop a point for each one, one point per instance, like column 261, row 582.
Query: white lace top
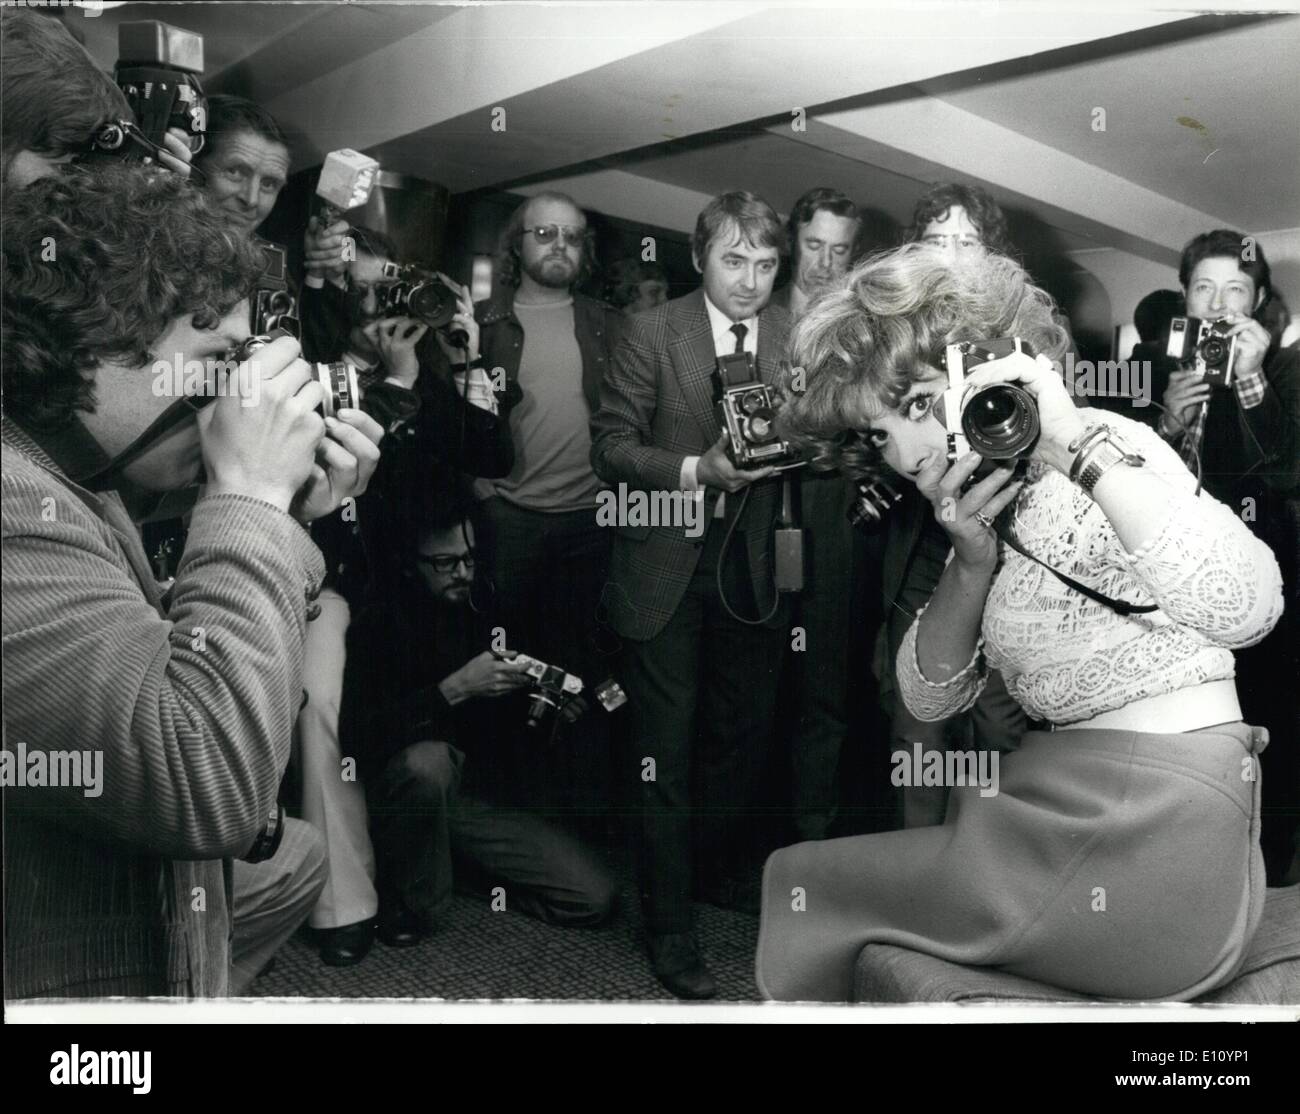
column 1066, row 658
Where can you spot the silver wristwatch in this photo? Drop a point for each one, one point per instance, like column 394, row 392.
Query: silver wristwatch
column 1104, row 454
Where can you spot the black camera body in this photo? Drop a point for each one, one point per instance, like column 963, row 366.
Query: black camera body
column 271, row 304
column 874, row 500
column 1000, row 421
column 412, row 291
column 1208, row 344
column 746, row 409
column 157, row 70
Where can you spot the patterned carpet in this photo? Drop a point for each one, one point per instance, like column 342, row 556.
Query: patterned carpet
column 481, row 954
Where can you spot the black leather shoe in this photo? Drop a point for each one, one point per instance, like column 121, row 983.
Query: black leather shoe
column 678, row 964
column 399, row 927
column 346, row 946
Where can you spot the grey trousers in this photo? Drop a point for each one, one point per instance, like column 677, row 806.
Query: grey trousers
column 421, row 822
column 272, row 899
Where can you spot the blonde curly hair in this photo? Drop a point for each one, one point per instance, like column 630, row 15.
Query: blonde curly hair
column 859, row 348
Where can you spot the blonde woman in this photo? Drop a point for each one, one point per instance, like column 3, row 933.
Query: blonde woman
column 1120, row 854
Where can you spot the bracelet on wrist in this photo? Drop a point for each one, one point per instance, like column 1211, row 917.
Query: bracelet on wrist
column 1100, row 457
column 1079, row 447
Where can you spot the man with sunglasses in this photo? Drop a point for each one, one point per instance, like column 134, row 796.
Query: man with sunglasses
column 125, row 888
column 546, row 555
column 449, row 767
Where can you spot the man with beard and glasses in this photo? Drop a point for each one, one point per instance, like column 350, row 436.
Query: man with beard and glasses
column 433, row 433
column 432, row 715
column 546, row 554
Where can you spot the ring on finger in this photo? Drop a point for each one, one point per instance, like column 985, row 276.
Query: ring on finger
column 984, row 520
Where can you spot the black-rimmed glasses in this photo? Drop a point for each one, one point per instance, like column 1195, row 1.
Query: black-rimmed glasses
column 447, row 562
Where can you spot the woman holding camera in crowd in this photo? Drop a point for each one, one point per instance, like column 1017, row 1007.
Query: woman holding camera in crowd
column 1118, row 854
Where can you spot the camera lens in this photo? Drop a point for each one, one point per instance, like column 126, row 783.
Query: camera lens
column 1000, row 421
column 342, row 391
column 759, row 426
column 1214, row 350
column 432, row 303
column 540, row 707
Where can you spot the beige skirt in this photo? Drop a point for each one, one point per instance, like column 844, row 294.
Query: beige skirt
column 1118, row 864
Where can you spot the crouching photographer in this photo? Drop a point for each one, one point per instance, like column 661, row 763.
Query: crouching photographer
column 1109, row 591
column 124, row 297
column 451, row 757
column 397, row 335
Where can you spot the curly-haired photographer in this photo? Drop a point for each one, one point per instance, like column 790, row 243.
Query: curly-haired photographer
column 124, row 296
column 1110, row 594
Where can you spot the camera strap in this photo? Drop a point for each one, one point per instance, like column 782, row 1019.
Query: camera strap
column 103, row 476
column 1120, row 607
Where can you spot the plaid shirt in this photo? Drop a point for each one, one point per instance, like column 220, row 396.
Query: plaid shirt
column 1250, row 389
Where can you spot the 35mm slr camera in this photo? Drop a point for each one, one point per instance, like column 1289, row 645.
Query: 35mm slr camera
column 412, row 291
column 999, row 421
column 553, row 691
column 1206, row 342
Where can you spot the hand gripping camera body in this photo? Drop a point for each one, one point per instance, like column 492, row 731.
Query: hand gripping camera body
column 412, row 291
column 552, row 691
column 999, row 421
column 339, row 379
column 1205, row 342
column 157, row 70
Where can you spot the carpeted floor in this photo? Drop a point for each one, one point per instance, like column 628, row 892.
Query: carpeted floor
column 481, row 954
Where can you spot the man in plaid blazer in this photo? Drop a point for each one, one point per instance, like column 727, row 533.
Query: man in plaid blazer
column 688, row 646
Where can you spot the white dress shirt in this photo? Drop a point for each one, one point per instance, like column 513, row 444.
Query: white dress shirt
column 724, row 344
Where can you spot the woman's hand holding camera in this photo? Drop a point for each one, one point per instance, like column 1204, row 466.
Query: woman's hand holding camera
column 1057, row 415
column 967, row 518
column 272, row 445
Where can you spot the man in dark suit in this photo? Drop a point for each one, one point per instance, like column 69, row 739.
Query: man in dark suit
column 695, row 601
column 823, row 231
